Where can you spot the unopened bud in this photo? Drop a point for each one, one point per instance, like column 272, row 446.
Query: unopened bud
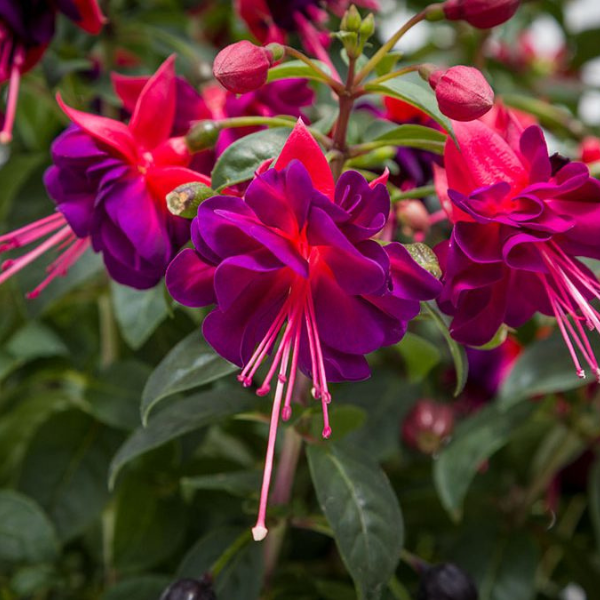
column 446, row 582
column 425, row 257
column 482, row 14
column 413, row 216
column 184, row 200
column 202, row 136
column 243, row 67
column 590, row 149
column 462, row 93
column 367, row 27
column 351, row 20
column 190, row 589
column 427, row 426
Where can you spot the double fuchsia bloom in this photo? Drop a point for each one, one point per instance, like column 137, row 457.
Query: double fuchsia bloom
column 26, row 29
column 109, row 182
column 521, row 219
column 294, row 273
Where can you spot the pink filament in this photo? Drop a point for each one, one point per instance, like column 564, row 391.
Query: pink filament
column 18, row 59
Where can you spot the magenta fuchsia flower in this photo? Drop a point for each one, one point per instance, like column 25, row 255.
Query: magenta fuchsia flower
column 26, row 29
column 109, row 182
column 480, row 13
column 521, row 220
column 273, row 20
column 294, row 274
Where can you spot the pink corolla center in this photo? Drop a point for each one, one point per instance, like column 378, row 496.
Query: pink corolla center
column 565, row 291
column 61, row 237
column 297, row 311
column 12, row 59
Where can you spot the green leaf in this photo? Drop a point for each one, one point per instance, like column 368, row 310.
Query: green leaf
column 179, row 418
column 149, row 526
column 420, row 356
column 14, row 174
column 296, row 68
column 363, row 511
column 242, row 158
column 594, row 499
column 238, row 483
column 65, row 470
column 190, row 364
column 138, row 312
column 474, row 441
column 414, row 94
column 544, row 367
column 35, row 340
column 26, row 533
column 242, row 573
column 415, row 136
column 145, row 587
column 459, row 355
column 344, row 419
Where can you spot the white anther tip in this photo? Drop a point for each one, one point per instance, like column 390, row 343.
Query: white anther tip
column 259, row 533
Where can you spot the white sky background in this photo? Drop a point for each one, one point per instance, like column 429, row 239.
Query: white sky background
column 546, row 35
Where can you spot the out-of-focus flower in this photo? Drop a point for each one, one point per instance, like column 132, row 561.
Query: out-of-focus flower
column 26, row 29
column 427, row 426
column 274, row 20
column 446, row 582
column 462, row 92
column 482, row 14
column 109, row 182
column 243, row 67
column 590, row 150
column 295, row 257
column 521, row 219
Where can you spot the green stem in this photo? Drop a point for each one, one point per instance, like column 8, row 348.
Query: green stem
column 387, row 47
column 418, row 192
column 394, row 74
column 335, row 85
column 109, row 345
column 241, row 541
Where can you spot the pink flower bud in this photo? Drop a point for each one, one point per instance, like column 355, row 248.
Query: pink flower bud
column 462, row 93
column 242, row 67
column 590, row 150
column 427, row 426
column 482, row 14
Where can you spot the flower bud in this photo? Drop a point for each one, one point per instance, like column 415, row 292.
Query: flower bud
column 413, row 216
column 446, row 582
column 202, row 136
column 590, row 150
column 427, row 426
column 190, row 589
column 243, row 67
column 367, row 27
column 482, row 14
column 185, row 200
column 351, row 20
column 462, row 93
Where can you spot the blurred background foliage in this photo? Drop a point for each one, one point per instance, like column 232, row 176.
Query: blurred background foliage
column 513, row 498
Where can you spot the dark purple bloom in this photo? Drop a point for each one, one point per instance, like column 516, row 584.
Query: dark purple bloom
column 521, row 219
column 295, row 257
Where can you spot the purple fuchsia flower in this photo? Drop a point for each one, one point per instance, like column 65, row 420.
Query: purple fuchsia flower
column 521, row 220
column 109, row 182
column 26, row 29
column 294, row 274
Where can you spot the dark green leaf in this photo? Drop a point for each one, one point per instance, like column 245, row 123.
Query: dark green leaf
column 179, row 418
column 459, row 355
column 594, row 499
column 239, row 483
column 65, row 470
column 138, row 312
column 242, row 158
column 544, row 367
column 363, row 512
column 149, row 526
column 414, row 94
column 146, row 587
column 190, row 364
column 415, row 136
column 26, row 533
column 296, row 68
column 14, row 174
column 35, row 340
column 474, row 441
column 420, row 356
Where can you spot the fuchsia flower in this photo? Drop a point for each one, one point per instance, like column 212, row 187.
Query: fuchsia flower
column 521, row 220
column 481, row 13
column 26, row 29
column 294, row 261
column 109, row 182
column 427, row 426
column 273, row 20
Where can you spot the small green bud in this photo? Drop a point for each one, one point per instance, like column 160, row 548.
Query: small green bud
column 351, row 20
column 435, row 12
column 185, row 200
column 425, row 257
column 202, row 136
column 367, row 27
column 277, row 51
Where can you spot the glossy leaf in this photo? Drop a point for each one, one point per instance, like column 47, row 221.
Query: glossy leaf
column 242, row 158
column 190, row 364
column 415, row 136
column 179, row 418
column 420, row 356
column 363, row 512
column 138, row 312
column 297, row 69
column 473, row 442
column 26, row 533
